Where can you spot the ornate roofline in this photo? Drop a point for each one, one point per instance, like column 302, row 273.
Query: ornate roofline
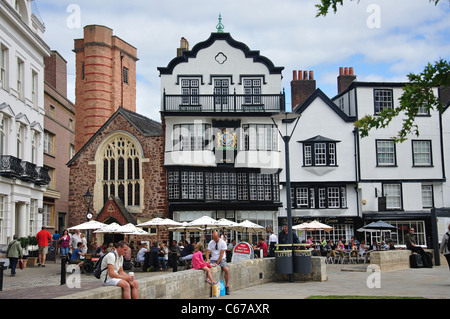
column 257, row 57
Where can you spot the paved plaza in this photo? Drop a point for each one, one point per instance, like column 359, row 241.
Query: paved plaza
column 44, row 283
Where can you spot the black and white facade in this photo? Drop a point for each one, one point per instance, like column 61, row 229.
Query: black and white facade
column 347, row 181
column 222, row 150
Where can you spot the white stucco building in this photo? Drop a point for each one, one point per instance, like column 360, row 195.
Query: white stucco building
column 22, row 140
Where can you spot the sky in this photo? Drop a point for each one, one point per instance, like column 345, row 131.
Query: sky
column 382, row 40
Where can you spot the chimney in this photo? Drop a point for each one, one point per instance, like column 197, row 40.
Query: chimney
column 55, row 72
column 184, row 46
column 345, row 78
column 302, row 86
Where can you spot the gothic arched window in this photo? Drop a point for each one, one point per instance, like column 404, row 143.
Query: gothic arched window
column 121, row 160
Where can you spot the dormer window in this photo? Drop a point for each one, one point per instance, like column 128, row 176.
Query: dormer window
column 319, row 151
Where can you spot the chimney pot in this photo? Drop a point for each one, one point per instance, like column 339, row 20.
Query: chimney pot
column 341, row 71
column 305, row 75
column 311, row 75
column 295, row 75
column 300, row 75
column 346, row 70
column 350, row 70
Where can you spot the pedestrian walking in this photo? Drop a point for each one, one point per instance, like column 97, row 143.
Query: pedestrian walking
column 43, row 238
column 14, row 253
column 64, row 242
column 445, row 242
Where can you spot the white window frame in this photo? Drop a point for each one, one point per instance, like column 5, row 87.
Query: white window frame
column 422, row 154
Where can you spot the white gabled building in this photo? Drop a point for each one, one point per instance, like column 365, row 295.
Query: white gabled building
column 222, row 150
column 22, row 175
column 353, row 181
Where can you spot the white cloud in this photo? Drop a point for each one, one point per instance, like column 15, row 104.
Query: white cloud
column 410, row 34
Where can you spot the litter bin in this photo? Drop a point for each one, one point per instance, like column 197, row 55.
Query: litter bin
column 302, row 259
column 283, row 259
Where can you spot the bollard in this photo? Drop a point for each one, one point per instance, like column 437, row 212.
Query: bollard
column 174, row 262
column 1, row 275
column 63, row 269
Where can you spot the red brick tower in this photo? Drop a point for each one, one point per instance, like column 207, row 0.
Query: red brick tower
column 105, row 80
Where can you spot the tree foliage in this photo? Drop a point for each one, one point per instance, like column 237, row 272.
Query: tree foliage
column 417, row 94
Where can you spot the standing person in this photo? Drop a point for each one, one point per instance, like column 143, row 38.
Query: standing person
column 42, row 238
column 114, row 274
column 283, row 236
column 411, row 244
column 64, row 242
column 444, row 249
column 217, row 248
column 199, row 263
column 75, row 239
column 273, row 240
column 14, row 252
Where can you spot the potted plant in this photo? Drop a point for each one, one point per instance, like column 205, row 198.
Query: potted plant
column 33, row 250
column 24, row 242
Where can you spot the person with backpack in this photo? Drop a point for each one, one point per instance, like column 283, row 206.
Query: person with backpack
column 113, row 274
column 445, row 246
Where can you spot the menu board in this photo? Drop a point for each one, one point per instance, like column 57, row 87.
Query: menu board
column 242, row 251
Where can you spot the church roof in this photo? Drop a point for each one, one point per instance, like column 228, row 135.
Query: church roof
column 146, row 126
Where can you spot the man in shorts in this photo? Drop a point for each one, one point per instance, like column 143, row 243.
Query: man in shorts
column 42, row 238
column 217, row 248
column 114, row 274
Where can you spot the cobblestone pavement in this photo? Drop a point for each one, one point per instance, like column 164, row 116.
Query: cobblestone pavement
column 44, row 283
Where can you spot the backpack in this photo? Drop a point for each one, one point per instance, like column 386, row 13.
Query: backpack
column 98, row 267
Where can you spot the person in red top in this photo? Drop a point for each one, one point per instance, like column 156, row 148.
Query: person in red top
column 42, row 238
column 262, row 245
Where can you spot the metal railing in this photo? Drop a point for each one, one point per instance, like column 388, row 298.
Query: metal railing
column 13, row 167
column 234, row 103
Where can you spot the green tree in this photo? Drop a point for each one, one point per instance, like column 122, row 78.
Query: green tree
column 418, row 93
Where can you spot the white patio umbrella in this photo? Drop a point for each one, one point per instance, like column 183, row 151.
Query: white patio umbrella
column 131, row 229
column 247, row 226
column 159, row 223
column 92, row 224
column 112, row 228
column 315, row 225
column 205, row 223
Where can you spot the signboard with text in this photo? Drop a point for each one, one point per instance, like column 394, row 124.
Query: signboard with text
column 242, row 251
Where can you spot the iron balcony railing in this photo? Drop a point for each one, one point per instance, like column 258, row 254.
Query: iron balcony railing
column 13, row 167
column 234, row 103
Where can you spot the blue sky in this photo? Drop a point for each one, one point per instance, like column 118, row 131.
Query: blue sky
column 382, row 40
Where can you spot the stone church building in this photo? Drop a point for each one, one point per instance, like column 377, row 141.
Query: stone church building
column 122, row 162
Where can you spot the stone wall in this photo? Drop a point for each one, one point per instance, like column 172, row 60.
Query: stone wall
column 191, row 283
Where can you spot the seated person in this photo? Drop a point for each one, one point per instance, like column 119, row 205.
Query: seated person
column 187, row 252
column 363, row 248
column 77, row 254
column 262, row 245
column 141, row 253
column 155, row 250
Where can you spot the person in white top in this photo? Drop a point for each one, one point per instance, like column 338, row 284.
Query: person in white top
column 217, row 248
column 114, row 274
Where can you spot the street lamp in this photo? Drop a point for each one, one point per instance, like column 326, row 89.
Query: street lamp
column 287, row 117
column 88, row 200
